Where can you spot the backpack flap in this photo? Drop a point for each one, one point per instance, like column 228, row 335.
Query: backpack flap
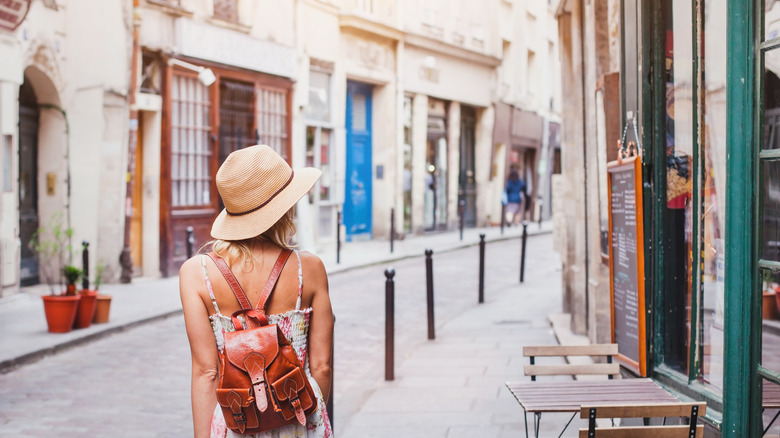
column 294, row 399
column 236, row 401
column 251, row 351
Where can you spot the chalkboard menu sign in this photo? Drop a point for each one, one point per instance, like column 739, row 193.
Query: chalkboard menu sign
column 626, row 261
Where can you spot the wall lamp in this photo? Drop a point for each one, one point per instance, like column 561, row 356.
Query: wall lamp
column 205, row 75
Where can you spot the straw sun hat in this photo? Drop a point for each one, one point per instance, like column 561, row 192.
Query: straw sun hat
column 257, row 187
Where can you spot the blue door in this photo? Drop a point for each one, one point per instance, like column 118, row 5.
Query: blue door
column 357, row 200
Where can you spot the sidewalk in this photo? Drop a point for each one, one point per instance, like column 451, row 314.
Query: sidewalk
column 23, row 325
column 454, row 386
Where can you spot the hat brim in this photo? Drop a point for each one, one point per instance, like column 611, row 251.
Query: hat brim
column 247, row 226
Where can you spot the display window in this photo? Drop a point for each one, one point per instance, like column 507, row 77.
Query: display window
column 319, row 151
column 691, row 289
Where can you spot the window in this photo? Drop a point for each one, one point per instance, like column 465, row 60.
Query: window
column 407, row 177
column 690, row 301
column 712, row 191
column 272, row 119
column 226, row 10
column 190, row 148
column 319, row 151
column 7, row 164
column 678, row 209
column 319, row 97
column 769, row 207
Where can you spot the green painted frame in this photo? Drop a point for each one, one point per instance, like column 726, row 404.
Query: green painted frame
column 742, row 403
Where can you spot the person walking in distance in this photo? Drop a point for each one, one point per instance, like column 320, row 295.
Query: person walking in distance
column 515, row 187
column 252, row 234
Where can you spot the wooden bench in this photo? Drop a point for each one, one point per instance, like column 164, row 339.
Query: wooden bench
column 691, row 411
column 608, row 369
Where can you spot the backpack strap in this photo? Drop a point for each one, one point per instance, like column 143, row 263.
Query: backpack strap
column 272, row 279
column 231, row 279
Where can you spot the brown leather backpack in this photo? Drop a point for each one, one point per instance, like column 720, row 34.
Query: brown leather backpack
column 262, row 384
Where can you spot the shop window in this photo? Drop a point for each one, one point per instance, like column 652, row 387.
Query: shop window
column 769, row 218
column 272, row 119
column 678, row 208
column 407, row 177
column 319, row 151
column 236, row 116
column 318, row 107
column 190, row 149
column 226, row 10
column 712, row 192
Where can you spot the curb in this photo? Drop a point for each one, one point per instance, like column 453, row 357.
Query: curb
column 12, row 364
column 446, row 250
column 9, row 365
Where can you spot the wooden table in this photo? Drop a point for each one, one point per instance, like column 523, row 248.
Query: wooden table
column 568, row 396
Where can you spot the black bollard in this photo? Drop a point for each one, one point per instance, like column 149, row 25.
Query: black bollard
column 481, row 268
column 338, row 237
column 190, row 242
column 461, row 211
column 389, row 324
column 392, row 228
column 503, row 218
column 522, row 251
column 85, row 265
column 429, row 294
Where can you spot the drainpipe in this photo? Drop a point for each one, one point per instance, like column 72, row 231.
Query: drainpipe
column 124, row 259
column 585, row 167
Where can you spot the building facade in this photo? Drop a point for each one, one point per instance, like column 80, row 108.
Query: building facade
column 691, row 87
column 411, row 113
column 64, row 130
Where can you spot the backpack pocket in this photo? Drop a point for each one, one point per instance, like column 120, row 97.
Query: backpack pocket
column 295, row 396
column 238, row 408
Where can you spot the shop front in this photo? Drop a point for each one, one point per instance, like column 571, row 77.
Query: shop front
column 244, row 100
column 703, row 123
column 448, row 130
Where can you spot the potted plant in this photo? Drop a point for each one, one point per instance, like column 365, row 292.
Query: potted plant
column 86, row 308
column 49, row 245
column 769, row 302
column 72, row 275
column 103, row 306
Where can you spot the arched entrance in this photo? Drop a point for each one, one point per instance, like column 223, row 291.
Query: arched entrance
column 28, row 180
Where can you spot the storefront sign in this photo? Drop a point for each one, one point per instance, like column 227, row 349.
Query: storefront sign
column 12, row 13
column 228, row 47
column 626, row 261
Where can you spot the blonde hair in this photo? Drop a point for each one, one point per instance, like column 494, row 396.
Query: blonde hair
column 280, row 234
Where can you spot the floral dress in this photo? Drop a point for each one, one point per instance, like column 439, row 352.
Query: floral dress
column 295, row 327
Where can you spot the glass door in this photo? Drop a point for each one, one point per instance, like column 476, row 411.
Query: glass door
column 769, row 217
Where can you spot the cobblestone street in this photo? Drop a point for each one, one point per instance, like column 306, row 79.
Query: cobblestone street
column 136, row 383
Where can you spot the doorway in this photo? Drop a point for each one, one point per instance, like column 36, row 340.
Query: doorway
column 28, row 181
column 467, row 189
column 357, row 200
column 136, row 221
column 435, row 197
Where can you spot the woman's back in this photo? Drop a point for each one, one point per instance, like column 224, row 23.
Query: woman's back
column 287, row 306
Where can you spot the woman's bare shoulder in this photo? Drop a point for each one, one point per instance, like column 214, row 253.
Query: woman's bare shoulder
column 312, row 266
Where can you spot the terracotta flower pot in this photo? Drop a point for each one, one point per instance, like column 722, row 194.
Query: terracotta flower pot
column 60, row 312
column 102, row 309
column 769, row 306
column 86, row 309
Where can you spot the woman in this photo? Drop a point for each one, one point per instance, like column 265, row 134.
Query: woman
column 259, row 191
column 515, row 187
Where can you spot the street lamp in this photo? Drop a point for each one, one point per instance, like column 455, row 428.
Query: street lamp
column 205, row 75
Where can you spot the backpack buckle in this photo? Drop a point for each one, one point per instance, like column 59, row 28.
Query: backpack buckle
column 239, row 417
